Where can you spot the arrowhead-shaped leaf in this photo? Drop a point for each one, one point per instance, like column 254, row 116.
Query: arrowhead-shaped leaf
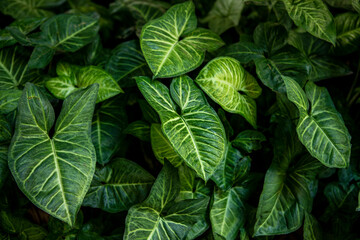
column 320, row 128
column 54, row 172
column 196, row 134
column 118, row 186
column 73, row 78
column 313, row 16
column 222, row 79
column 164, row 51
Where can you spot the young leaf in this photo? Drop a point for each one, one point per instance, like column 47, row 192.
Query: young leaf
column 64, row 32
column 320, row 128
column 162, row 148
column 174, row 38
column 54, row 172
column 196, row 134
column 286, row 194
column 224, row 15
column 314, row 17
column 73, row 78
column 125, row 61
column 222, row 79
column 107, row 128
column 249, row 140
column 118, row 186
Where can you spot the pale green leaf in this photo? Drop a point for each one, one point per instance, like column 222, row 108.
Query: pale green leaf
column 222, row 79
column 109, row 122
column 314, row 17
column 73, row 78
column 118, row 186
column 224, row 15
column 196, row 134
column 44, row 167
column 320, row 128
column 174, row 38
column 162, row 148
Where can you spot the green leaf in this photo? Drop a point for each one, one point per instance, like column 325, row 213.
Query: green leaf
column 4, row 169
column 156, row 219
column 126, row 60
column 320, row 128
column 196, row 134
column 63, row 32
column 222, row 79
column 312, row 230
column 249, row 140
column 109, row 122
column 286, row 194
column 5, row 129
column 348, row 33
column 118, row 186
column 227, row 213
column 187, row 182
column 149, row 114
column 44, row 167
column 287, row 62
column 72, row 78
column 139, row 129
column 9, row 100
column 314, row 17
column 28, row 8
column 243, row 51
column 162, row 148
column 23, row 228
column 224, row 175
column 270, row 37
column 224, row 14
column 174, row 38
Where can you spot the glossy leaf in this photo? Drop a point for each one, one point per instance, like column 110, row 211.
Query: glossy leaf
column 64, row 32
column 320, row 128
column 249, row 140
column 243, row 51
column 43, row 166
column 222, row 79
column 118, row 186
column 150, row 219
column 72, row 78
column 162, row 148
column 162, row 48
column 348, row 33
column 125, row 61
column 28, row 8
column 227, row 213
column 314, row 17
column 196, row 134
column 224, row 15
column 107, row 129
column 286, row 194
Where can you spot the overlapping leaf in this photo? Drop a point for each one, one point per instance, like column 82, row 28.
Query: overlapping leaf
column 249, row 140
column 222, row 79
column 314, row 17
column 243, row 51
column 172, row 45
column 118, row 186
column 196, row 134
column 54, row 172
column 4, row 170
column 320, row 128
column 72, row 78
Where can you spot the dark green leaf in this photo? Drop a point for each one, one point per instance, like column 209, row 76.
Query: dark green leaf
column 312, row 230
column 249, row 140
column 4, row 169
column 243, row 51
column 270, row 36
column 139, row 129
